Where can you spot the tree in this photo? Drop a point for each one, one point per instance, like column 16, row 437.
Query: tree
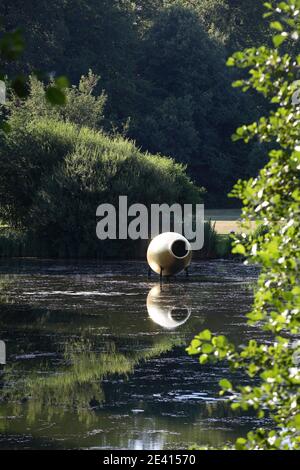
column 43, row 31
column 189, row 107
column 162, row 64
column 273, row 198
column 236, row 23
column 82, row 106
column 72, row 36
column 54, row 174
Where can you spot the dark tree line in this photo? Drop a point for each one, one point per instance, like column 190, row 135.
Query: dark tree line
column 163, row 67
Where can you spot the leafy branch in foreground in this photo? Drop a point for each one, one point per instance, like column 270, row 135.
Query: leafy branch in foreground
column 273, row 200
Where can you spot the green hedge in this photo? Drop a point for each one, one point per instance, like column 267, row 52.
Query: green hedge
column 55, row 174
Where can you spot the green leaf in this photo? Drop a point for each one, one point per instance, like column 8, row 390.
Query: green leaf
column 207, row 348
column 220, row 341
column 296, row 421
column 203, row 358
column 296, row 291
column 235, row 406
column 55, row 96
column 276, row 25
column 230, row 62
column 238, row 83
column 225, row 384
column 239, row 249
column 205, row 335
column 278, row 40
column 241, row 443
column 62, row 82
column 195, row 343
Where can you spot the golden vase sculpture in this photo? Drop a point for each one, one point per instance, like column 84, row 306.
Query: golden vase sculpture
column 169, row 253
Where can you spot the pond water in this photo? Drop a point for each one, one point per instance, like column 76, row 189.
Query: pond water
column 95, row 355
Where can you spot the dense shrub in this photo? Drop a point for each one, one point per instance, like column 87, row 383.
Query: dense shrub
column 82, row 105
column 55, row 174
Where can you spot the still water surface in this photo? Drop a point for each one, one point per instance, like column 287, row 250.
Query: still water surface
column 96, row 355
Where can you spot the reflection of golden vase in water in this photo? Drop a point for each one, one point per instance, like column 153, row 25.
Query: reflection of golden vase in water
column 169, row 253
column 166, row 309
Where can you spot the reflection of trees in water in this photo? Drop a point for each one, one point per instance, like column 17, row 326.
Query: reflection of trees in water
column 77, row 384
column 5, row 292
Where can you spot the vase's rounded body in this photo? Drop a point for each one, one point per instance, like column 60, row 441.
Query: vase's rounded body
column 169, row 253
column 165, row 309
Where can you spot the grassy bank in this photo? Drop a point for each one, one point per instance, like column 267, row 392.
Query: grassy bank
column 14, row 244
